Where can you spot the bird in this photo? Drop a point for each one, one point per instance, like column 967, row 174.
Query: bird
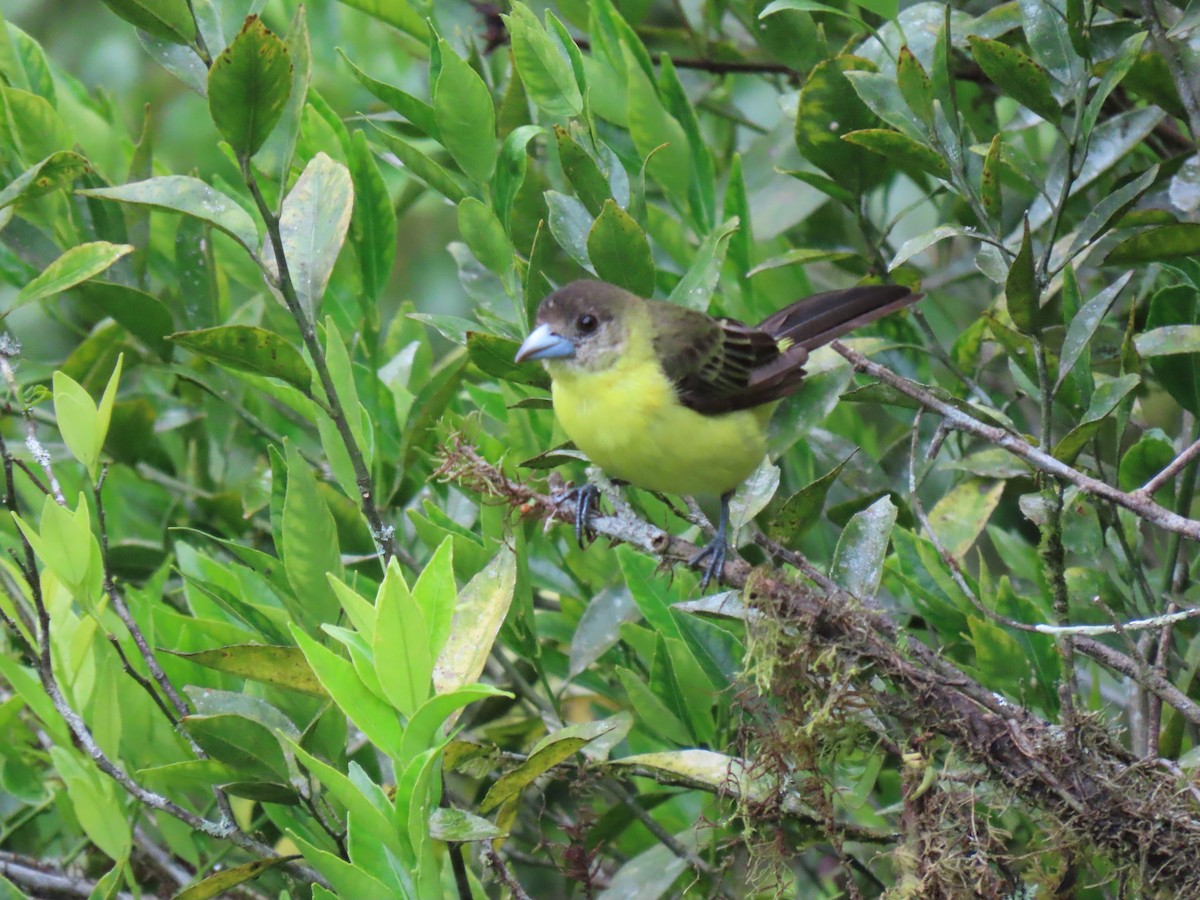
column 673, row 400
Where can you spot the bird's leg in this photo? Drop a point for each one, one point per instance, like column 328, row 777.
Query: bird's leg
column 586, row 498
column 714, row 551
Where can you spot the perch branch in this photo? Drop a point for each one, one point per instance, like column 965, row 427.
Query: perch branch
column 1092, row 785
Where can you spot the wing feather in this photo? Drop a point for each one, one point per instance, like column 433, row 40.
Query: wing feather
column 722, row 365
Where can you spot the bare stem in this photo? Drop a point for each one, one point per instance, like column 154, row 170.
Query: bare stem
column 384, row 535
column 955, row 418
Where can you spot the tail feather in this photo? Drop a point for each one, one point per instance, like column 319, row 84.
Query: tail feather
column 816, row 320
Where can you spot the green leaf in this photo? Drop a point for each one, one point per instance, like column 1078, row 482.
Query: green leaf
column 373, row 220
column 423, row 731
column 546, row 754
column 652, row 595
column 809, row 6
column 802, row 510
column 77, row 264
column 309, row 544
column 418, row 112
column 620, row 252
column 1153, row 244
column 995, row 651
column 190, row 196
column 248, row 348
column 425, row 169
column 283, row 667
column 484, row 234
column 287, row 131
column 695, row 289
column 167, row 20
column 457, row 826
column 1115, row 137
column 1122, row 61
column 82, row 423
column 799, row 256
column 1083, row 327
column 858, row 560
column 403, row 657
column 239, row 742
column 95, row 804
column 313, row 225
column 1017, row 75
column 1112, row 205
column 652, row 714
column 989, row 181
column 1021, row 290
column 376, row 719
column 660, row 140
column 582, row 171
column 436, row 594
column 142, row 315
column 55, row 171
column 510, row 169
column 914, row 85
column 829, row 108
column 900, row 148
column 961, row 515
column 887, row 9
column 478, row 614
column 494, row 356
column 227, row 879
column 570, row 223
column 1144, row 460
column 64, row 542
column 1168, row 340
column 397, row 13
column 882, row 96
column 248, row 87
column 545, row 72
column 465, row 116
column 34, row 129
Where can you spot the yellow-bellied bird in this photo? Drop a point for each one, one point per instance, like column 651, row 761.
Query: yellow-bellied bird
column 673, row 400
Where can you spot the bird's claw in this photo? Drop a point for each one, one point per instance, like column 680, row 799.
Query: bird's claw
column 714, row 552
column 586, row 498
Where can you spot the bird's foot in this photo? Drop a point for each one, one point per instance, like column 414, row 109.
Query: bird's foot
column 586, row 498
column 715, row 552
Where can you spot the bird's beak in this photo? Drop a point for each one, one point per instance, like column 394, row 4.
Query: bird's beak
column 543, row 343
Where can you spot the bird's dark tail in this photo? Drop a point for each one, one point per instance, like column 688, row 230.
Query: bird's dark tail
column 816, row 320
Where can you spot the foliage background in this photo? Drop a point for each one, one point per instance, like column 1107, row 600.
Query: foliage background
column 984, row 682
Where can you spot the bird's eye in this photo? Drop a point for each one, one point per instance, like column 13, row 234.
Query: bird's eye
column 587, row 323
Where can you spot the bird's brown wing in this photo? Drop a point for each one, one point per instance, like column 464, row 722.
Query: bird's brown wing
column 721, row 365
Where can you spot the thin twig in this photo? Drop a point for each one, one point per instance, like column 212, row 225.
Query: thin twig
column 1152, row 486
column 664, row 837
column 955, row 418
column 143, row 681
column 10, row 348
column 496, row 862
column 384, row 535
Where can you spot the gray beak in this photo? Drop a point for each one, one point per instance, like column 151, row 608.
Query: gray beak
column 543, row 343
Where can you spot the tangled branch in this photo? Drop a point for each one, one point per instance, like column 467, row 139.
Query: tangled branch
column 1139, row 811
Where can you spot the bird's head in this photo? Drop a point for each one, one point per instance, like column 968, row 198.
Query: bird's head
column 583, row 325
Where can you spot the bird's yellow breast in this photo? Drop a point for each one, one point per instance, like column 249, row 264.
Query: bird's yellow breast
column 629, row 421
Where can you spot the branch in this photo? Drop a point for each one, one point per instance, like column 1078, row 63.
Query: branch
column 36, row 876
column 384, row 535
column 1102, row 795
column 1142, row 506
